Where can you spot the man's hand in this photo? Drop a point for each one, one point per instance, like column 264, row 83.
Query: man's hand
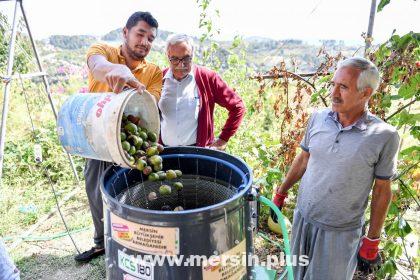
column 368, row 258
column 219, row 144
column 278, row 200
column 120, row 77
column 117, row 76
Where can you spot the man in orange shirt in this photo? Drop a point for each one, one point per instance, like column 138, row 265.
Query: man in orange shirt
column 113, row 69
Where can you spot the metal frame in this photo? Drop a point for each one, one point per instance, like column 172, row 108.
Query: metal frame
column 368, row 39
column 7, row 79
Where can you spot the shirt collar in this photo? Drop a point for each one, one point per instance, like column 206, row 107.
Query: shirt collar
column 169, row 74
column 361, row 123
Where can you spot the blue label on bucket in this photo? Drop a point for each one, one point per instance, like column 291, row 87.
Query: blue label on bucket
column 71, row 123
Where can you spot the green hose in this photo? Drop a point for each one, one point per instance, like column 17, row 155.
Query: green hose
column 267, row 238
column 286, row 242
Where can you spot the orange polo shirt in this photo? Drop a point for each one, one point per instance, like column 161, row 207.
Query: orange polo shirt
column 147, row 73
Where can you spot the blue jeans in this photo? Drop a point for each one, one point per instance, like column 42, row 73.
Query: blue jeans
column 8, row 271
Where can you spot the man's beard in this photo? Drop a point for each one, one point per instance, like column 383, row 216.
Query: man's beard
column 133, row 54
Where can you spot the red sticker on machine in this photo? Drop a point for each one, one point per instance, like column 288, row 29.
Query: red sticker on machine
column 122, row 231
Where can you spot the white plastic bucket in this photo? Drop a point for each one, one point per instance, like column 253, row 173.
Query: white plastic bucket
column 89, row 124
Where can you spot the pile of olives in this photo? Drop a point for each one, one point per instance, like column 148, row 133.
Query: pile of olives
column 142, row 151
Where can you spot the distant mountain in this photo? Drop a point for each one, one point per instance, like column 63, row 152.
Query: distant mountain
column 258, row 39
column 116, row 35
column 71, row 42
column 261, row 53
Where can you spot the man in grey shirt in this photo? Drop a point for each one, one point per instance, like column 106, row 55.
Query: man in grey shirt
column 345, row 151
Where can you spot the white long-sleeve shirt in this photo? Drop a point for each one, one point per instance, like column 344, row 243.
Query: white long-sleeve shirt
column 179, row 105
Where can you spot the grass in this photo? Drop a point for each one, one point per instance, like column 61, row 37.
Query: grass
column 51, row 266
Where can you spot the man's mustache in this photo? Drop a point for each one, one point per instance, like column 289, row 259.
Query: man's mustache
column 141, row 47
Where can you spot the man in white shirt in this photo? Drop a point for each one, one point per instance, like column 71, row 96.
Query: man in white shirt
column 188, row 97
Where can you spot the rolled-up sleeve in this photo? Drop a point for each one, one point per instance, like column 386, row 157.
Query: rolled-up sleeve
column 97, row 49
column 386, row 167
column 304, row 144
column 229, row 99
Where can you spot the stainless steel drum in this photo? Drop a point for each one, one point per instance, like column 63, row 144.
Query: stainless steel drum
column 216, row 220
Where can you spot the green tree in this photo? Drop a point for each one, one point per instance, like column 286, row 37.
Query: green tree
column 23, row 47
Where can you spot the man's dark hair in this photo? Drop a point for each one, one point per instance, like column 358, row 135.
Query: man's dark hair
column 141, row 16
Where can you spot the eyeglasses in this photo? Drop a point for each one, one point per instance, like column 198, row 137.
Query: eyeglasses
column 175, row 60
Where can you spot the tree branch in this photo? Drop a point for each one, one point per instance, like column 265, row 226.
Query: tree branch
column 323, row 100
column 409, row 191
column 401, row 108
column 405, row 171
column 285, row 73
column 407, row 256
column 299, row 76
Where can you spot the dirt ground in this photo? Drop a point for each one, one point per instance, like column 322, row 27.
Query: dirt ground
column 53, row 259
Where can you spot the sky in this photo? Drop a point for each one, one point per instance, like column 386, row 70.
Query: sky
column 308, row 20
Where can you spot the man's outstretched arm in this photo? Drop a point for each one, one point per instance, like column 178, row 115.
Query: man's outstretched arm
column 368, row 257
column 117, row 76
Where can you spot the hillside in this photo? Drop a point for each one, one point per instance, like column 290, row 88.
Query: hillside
column 261, row 53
